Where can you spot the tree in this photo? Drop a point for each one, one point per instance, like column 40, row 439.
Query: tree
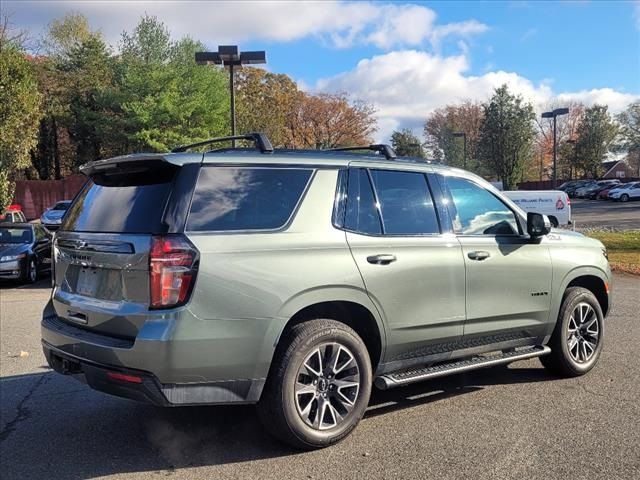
column 164, row 99
column 629, row 121
column 331, row 120
column 506, row 136
column 65, row 74
column 267, row 102
column 20, row 112
column 596, row 132
column 439, row 131
column 405, row 143
column 566, row 132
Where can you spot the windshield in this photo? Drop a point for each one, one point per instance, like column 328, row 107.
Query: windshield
column 61, row 206
column 15, row 235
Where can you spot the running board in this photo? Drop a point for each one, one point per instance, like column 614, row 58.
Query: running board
column 397, row 379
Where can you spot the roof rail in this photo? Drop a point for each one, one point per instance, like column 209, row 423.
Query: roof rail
column 381, row 148
column 261, row 141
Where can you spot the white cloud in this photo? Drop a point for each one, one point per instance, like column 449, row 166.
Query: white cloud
column 340, row 24
column 405, row 86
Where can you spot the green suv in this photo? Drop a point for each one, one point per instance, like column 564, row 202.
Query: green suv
column 298, row 280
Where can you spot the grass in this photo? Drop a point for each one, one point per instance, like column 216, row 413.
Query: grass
column 623, row 249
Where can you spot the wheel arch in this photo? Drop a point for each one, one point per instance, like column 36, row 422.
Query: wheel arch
column 353, row 308
column 593, row 279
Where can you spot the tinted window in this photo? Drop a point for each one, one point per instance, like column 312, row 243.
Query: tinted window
column 228, row 198
column 362, row 214
column 476, row 211
column 16, row 235
column 405, row 203
column 125, row 209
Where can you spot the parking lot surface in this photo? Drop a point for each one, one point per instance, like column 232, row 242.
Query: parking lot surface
column 506, row 422
column 599, row 214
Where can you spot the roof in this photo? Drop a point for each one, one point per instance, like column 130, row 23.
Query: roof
column 244, row 155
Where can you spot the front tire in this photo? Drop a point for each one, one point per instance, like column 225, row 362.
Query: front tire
column 31, row 273
column 576, row 342
column 319, row 385
column 624, row 198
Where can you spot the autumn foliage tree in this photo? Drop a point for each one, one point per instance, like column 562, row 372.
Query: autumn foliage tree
column 439, row 132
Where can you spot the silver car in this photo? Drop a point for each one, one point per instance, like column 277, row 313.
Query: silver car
column 298, row 280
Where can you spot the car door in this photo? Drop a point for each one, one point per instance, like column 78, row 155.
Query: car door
column 413, row 273
column 508, row 277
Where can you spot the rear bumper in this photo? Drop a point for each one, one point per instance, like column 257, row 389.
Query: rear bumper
column 173, row 371
column 144, row 387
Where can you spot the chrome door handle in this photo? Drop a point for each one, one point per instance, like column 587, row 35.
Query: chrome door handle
column 479, row 255
column 382, row 259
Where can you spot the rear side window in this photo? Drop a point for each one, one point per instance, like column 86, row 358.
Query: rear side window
column 362, row 214
column 405, row 203
column 127, row 208
column 244, row 198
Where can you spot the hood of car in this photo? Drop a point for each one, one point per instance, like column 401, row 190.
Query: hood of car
column 53, row 214
column 7, row 249
column 569, row 237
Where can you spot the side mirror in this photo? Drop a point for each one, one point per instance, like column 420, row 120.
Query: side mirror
column 538, row 225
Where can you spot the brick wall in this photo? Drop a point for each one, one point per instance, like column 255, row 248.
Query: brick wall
column 35, row 196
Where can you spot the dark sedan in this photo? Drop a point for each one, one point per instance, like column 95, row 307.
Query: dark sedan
column 25, row 251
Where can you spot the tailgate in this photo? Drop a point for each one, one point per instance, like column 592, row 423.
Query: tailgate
column 101, row 252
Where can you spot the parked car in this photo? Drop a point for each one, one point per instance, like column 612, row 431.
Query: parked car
column 626, row 192
column 13, row 214
column 555, row 204
column 298, row 280
column 572, row 189
column 52, row 217
column 25, row 251
column 594, row 192
column 585, row 191
column 567, row 185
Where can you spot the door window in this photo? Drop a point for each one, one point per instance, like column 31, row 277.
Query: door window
column 405, row 203
column 362, row 213
column 476, row 211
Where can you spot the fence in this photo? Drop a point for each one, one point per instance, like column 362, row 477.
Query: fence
column 35, row 196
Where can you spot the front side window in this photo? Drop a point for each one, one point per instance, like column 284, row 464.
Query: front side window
column 405, row 203
column 476, row 211
column 244, row 198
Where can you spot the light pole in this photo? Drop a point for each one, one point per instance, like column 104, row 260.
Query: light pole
column 230, row 57
column 554, row 114
column 464, row 147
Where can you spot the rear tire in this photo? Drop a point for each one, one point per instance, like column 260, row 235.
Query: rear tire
column 576, row 342
column 309, row 410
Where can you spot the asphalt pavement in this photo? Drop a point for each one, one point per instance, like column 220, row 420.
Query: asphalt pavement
column 601, row 214
column 499, row 423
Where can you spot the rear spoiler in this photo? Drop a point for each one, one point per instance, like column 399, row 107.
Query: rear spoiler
column 147, row 159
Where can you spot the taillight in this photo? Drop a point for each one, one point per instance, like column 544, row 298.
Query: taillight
column 172, row 270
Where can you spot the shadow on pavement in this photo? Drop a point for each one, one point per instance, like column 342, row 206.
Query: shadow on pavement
column 43, row 283
column 55, row 427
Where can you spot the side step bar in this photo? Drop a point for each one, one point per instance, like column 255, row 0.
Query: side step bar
column 397, row 379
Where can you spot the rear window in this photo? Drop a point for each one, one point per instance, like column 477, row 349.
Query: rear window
column 126, row 208
column 245, row 198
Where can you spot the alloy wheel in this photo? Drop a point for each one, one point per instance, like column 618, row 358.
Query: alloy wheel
column 583, row 333
column 327, row 386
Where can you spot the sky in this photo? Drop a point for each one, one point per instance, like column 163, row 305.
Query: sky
column 405, row 58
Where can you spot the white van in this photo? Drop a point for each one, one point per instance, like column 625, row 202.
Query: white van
column 553, row 203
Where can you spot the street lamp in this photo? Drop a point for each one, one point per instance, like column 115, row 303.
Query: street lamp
column 230, row 57
column 553, row 114
column 464, row 148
